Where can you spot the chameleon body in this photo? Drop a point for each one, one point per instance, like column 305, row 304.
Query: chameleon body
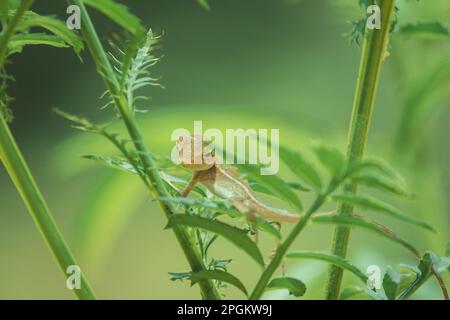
column 223, row 181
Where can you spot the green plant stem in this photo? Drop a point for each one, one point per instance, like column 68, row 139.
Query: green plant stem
column 20, row 174
column 374, row 51
column 158, row 188
column 282, row 249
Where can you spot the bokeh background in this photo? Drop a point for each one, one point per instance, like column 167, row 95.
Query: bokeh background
column 249, row 64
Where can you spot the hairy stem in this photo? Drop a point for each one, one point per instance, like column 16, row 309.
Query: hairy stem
column 20, row 174
column 374, row 50
column 158, row 187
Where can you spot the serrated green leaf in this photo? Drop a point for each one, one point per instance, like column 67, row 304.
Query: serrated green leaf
column 371, row 203
column 295, row 287
column 331, row 158
column 112, row 162
column 57, row 27
column 19, row 41
column 274, row 184
column 301, row 167
column 391, row 283
column 117, row 12
column 381, row 183
column 425, row 28
column 236, row 236
column 352, row 221
column 333, row 259
column 218, row 275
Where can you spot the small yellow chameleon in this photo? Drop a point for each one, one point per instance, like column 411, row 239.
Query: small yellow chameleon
column 223, row 181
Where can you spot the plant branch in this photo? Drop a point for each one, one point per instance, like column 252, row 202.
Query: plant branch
column 22, row 178
column 374, row 51
column 282, row 249
column 158, row 187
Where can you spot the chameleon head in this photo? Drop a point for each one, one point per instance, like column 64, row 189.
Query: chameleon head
column 193, row 154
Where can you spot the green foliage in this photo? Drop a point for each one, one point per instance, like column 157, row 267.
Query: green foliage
column 199, row 214
column 331, row 158
column 373, row 226
column 55, row 26
column 274, row 184
column 295, row 287
column 133, row 68
column 237, row 236
column 60, row 35
column 118, row 13
column 371, row 203
column 301, row 167
column 12, row 40
column 425, row 28
column 333, row 259
column 391, row 282
column 218, row 275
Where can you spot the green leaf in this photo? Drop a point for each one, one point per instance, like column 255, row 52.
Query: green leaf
column 381, row 183
column 218, row 205
column 112, row 162
column 268, row 227
column 373, row 165
column 391, row 283
column 330, row 157
column 426, row 28
column 351, row 292
column 272, row 183
column 293, row 185
column 301, row 167
column 236, row 236
column 179, row 276
column 423, row 273
column 352, row 221
column 295, row 287
column 218, row 275
column 19, row 41
column 119, row 13
column 333, row 259
column 371, row 203
column 57, row 27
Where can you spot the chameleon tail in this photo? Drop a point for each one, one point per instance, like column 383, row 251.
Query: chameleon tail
column 273, row 214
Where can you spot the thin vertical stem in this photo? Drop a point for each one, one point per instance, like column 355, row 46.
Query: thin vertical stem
column 186, row 241
column 22, row 178
column 374, row 51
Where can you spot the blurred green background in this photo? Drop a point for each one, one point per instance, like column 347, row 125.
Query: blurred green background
column 244, row 64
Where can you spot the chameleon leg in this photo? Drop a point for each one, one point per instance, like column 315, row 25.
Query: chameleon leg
column 190, row 185
column 243, row 207
column 251, row 217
